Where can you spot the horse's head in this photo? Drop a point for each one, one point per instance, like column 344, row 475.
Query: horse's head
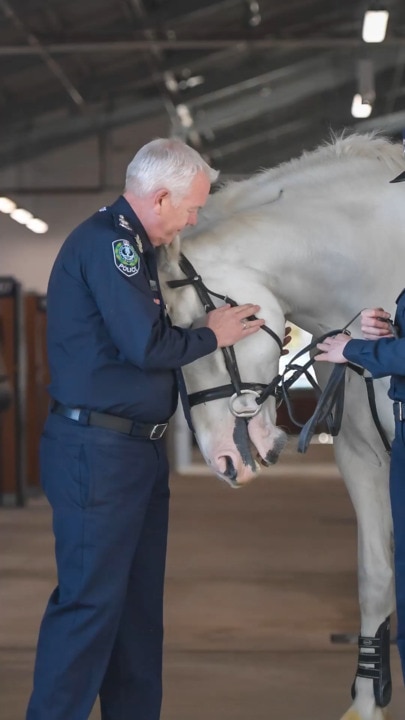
column 235, row 435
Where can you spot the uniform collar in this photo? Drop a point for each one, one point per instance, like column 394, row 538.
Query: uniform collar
column 122, row 207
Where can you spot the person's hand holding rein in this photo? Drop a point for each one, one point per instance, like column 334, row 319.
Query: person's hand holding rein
column 332, row 349
column 375, row 323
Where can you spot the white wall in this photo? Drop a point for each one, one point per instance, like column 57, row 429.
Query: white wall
column 29, row 257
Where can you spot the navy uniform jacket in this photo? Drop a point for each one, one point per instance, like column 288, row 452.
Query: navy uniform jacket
column 110, row 346
column 385, row 356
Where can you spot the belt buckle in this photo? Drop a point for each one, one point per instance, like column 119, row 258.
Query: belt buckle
column 158, row 431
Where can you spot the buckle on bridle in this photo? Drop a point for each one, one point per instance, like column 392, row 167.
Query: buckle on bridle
column 244, row 412
column 158, row 431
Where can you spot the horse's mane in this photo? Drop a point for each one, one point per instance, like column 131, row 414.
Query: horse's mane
column 265, row 186
column 338, row 158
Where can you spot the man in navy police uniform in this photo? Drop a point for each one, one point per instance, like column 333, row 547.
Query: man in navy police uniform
column 115, row 366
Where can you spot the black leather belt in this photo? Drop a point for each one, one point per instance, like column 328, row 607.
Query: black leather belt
column 149, row 431
column 399, row 410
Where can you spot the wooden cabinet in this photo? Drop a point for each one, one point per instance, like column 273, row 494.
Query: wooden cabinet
column 37, row 380
column 12, row 426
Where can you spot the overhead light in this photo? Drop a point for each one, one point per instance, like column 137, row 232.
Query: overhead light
column 37, row 226
column 360, row 108
column 184, row 115
column 191, row 82
column 375, row 25
column 362, row 104
column 21, row 216
column 255, row 17
column 170, row 81
column 6, row 205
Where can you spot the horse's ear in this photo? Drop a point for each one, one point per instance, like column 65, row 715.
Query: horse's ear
column 399, row 178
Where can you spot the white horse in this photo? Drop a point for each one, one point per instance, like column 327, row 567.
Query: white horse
column 312, row 242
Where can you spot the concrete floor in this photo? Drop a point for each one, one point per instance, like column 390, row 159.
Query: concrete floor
column 257, row 581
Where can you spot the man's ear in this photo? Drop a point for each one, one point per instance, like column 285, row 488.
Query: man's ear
column 159, row 199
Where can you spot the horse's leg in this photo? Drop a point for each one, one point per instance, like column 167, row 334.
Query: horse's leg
column 364, row 465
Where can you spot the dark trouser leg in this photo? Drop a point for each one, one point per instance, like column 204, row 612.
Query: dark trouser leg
column 99, row 485
column 132, row 686
column 397, row 489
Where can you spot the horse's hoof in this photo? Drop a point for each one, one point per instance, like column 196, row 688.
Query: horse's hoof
column 378, row 714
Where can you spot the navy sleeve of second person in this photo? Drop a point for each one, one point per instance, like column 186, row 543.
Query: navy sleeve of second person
column 382, row 357
column 134, row 321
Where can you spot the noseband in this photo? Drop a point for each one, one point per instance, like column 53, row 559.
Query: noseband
column 236, row 389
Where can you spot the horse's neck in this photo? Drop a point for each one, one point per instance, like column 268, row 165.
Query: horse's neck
column 318, row 291
column 318, row 288
column 321, row 247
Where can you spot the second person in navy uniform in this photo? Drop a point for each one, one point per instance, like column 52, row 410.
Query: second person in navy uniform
column 115, row 370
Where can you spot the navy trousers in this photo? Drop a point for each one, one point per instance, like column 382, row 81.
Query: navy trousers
column 397, row 490
column 102, row 631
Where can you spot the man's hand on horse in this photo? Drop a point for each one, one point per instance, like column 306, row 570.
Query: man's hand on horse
column 231, row 324
column 286, row 341
column 332, row 349
column 375, row 323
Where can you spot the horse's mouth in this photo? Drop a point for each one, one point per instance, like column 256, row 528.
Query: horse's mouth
column 240, row 461
column 231, row 475
column 274, row 454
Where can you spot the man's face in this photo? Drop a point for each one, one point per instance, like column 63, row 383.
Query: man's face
column 174, row 215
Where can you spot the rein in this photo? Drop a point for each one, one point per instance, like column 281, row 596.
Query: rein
column 330, row 403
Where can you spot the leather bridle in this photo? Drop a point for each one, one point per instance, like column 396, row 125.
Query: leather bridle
column 329, row 406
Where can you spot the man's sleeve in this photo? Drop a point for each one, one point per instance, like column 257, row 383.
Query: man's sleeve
column 133, row 320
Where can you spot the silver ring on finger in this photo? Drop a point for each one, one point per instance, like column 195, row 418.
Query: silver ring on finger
column 244, row 324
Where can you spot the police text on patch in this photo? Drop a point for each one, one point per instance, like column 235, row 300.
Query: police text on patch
column 126, row 258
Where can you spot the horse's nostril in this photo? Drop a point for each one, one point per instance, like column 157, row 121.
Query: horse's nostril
column 271, row 458
column 230, row 470
column 262, row 461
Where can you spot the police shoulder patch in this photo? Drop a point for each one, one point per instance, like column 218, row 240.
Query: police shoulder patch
column 126, row 258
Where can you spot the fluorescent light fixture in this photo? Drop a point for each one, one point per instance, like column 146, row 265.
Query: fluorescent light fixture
column 184, row 115
column 6, row 205
column 37, row 226
column 21, row 216
column 191, row 82
column 360, row 109
column 375, row 26
column 254, row 10
column 170, row 81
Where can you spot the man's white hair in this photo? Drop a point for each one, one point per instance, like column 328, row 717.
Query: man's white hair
column 166, row 163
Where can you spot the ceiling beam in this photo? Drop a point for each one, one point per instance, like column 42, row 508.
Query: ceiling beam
column 239, row 104
column 274, row 134
column 327, row 76
column 267, row 43
column 51, row 135
column 391, row 124
column 38, row 49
